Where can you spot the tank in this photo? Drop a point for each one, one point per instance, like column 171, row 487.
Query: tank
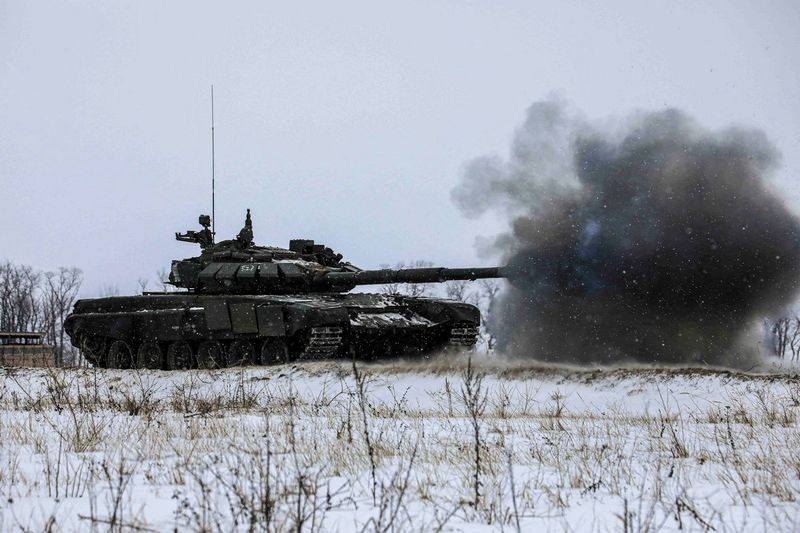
column 243, row 304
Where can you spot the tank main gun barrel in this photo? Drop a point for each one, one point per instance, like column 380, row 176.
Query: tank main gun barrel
column 411, row 275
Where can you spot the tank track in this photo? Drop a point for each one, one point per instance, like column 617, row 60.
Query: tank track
column 322, row 342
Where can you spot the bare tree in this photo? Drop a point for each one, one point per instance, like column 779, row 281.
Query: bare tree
column 794, row 338
column 142, row 283
column 109, row 290
column 784, row 333
column 5, row 295
column 20, row 307
column 780, row 335
column 162, row 275
column 60, row 290
column 32, row 301
column 459, row 291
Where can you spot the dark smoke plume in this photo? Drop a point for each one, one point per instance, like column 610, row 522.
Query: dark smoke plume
column 650, row 240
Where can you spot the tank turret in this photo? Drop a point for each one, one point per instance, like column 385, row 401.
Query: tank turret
column 239, row 267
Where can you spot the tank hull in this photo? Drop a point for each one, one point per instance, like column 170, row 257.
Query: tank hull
column 186, row 330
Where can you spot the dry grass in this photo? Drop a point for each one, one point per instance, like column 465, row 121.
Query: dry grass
column 326, row 446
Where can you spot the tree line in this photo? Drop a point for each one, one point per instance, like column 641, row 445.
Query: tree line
column 36, row 301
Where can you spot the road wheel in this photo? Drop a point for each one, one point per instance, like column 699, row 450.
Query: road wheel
column 120, row 355
column 149, row 355
column 241, row 353
column 210, row 354
column 274, row 352
column 179, row 355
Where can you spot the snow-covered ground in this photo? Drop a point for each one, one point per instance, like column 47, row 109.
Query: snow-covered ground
column 432, row 446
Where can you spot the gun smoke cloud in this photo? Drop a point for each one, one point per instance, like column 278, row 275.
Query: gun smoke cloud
column 648, row 239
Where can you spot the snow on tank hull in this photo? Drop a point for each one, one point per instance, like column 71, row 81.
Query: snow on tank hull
column 186, row 330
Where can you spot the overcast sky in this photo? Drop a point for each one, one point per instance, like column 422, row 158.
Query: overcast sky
column 345, row 122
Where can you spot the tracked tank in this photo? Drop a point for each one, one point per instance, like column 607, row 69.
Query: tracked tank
column 243, row 304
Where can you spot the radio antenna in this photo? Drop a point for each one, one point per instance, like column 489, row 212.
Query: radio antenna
column 213, row 206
